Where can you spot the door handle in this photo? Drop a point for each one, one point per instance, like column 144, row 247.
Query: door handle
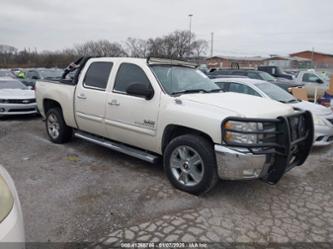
column 114, row 102
column 81, row 96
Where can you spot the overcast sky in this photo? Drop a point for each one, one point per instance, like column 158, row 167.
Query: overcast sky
column 241, row 27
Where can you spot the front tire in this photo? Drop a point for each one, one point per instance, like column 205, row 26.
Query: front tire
column 56, row 127
column 190, row 164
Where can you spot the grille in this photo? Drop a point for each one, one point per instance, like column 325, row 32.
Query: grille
column 297, row 127
column 269, row 138
column 22, row 110
column 20, row 101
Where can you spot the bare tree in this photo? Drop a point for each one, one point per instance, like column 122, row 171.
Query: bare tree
column 100, row 48
column 137, row 47
column 199, row 47
column 174, row 45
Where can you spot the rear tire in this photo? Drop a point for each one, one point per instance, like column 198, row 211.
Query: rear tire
column 56, row 127
column 190, row 164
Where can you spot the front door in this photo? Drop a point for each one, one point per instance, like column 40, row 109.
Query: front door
column 131, row 119
column 91, row 96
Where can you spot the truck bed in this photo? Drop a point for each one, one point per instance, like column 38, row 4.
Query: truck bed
column 56, row 91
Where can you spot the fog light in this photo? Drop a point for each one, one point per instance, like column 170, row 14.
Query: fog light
column 2, row 110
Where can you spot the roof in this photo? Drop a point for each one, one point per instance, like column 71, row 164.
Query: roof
column 235, row 58
column 287, row 58
column 309, row 51
column 240, row 80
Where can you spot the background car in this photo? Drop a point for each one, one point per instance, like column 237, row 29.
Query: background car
column 276, row 72
column 323, row 117
column 255, row 74
column 16, row 98
column 314, row 83
column 11, row 217
column 40, row 74
column 7, row 73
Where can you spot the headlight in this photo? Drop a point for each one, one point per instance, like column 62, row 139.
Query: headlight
column 6, row 200
column 3, row 101
column 235, row 128
column 320, row 121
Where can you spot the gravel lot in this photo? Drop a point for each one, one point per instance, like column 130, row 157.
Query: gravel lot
column 84, row 192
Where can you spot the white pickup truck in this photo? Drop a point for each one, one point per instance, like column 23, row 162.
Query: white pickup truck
column 158, row 108
column 313, row 82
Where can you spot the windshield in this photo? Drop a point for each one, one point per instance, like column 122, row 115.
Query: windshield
column 53, row 73
column 267, row 76
column 276, row 92
column 11, row 84
column 177, row 79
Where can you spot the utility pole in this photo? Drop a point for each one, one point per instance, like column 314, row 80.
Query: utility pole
column 189, row 42
column 312, row 57
column 211, row 44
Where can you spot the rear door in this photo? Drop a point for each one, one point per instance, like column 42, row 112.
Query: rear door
column 132, row 119
column 91, row 96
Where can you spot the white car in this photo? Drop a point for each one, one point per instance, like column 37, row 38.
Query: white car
column 323, row 116
column 16, row 98
column 11, row 217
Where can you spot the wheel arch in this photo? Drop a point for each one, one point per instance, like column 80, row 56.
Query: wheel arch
column 48, row 104
column 172, row 131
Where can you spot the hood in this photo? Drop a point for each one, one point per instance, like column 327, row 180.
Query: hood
column 241, row 104
column 315, row 109
column 16, row 94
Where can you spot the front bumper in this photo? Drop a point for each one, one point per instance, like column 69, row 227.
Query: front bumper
column 18, row 109
column 323, row 135
column 12, row 228
column 280, row 149
column 236, row 165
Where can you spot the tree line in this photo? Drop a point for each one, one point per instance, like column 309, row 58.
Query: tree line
column 177, row 45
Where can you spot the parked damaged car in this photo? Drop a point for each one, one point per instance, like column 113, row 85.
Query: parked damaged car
column 322, row 116
column 167, row 109
column 16, row 98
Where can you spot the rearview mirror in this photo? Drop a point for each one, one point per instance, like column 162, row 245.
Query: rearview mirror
column 140, row 90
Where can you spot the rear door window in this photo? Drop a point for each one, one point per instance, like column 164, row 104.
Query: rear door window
column 223, row 85
column 240, row 88
column 97, row 75
column 309, row 77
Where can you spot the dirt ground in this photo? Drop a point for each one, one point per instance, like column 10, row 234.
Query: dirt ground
column 83, row 192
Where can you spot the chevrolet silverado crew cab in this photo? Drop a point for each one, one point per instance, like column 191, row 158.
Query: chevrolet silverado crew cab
column 159, row 108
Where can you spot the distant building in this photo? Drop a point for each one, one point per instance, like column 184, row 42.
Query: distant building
column 229, row 61
column 320, row 60
column 288, row 62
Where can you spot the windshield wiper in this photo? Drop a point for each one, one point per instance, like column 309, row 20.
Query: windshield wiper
column 190, row 91
column 289, row 101
column 215, row 90
column 197, row 90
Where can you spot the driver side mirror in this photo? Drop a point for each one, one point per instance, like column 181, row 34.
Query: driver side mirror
column 140, row 90
column 319, row 81
column 35, row 77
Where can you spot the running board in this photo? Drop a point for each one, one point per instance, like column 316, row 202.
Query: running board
column 143, row 155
